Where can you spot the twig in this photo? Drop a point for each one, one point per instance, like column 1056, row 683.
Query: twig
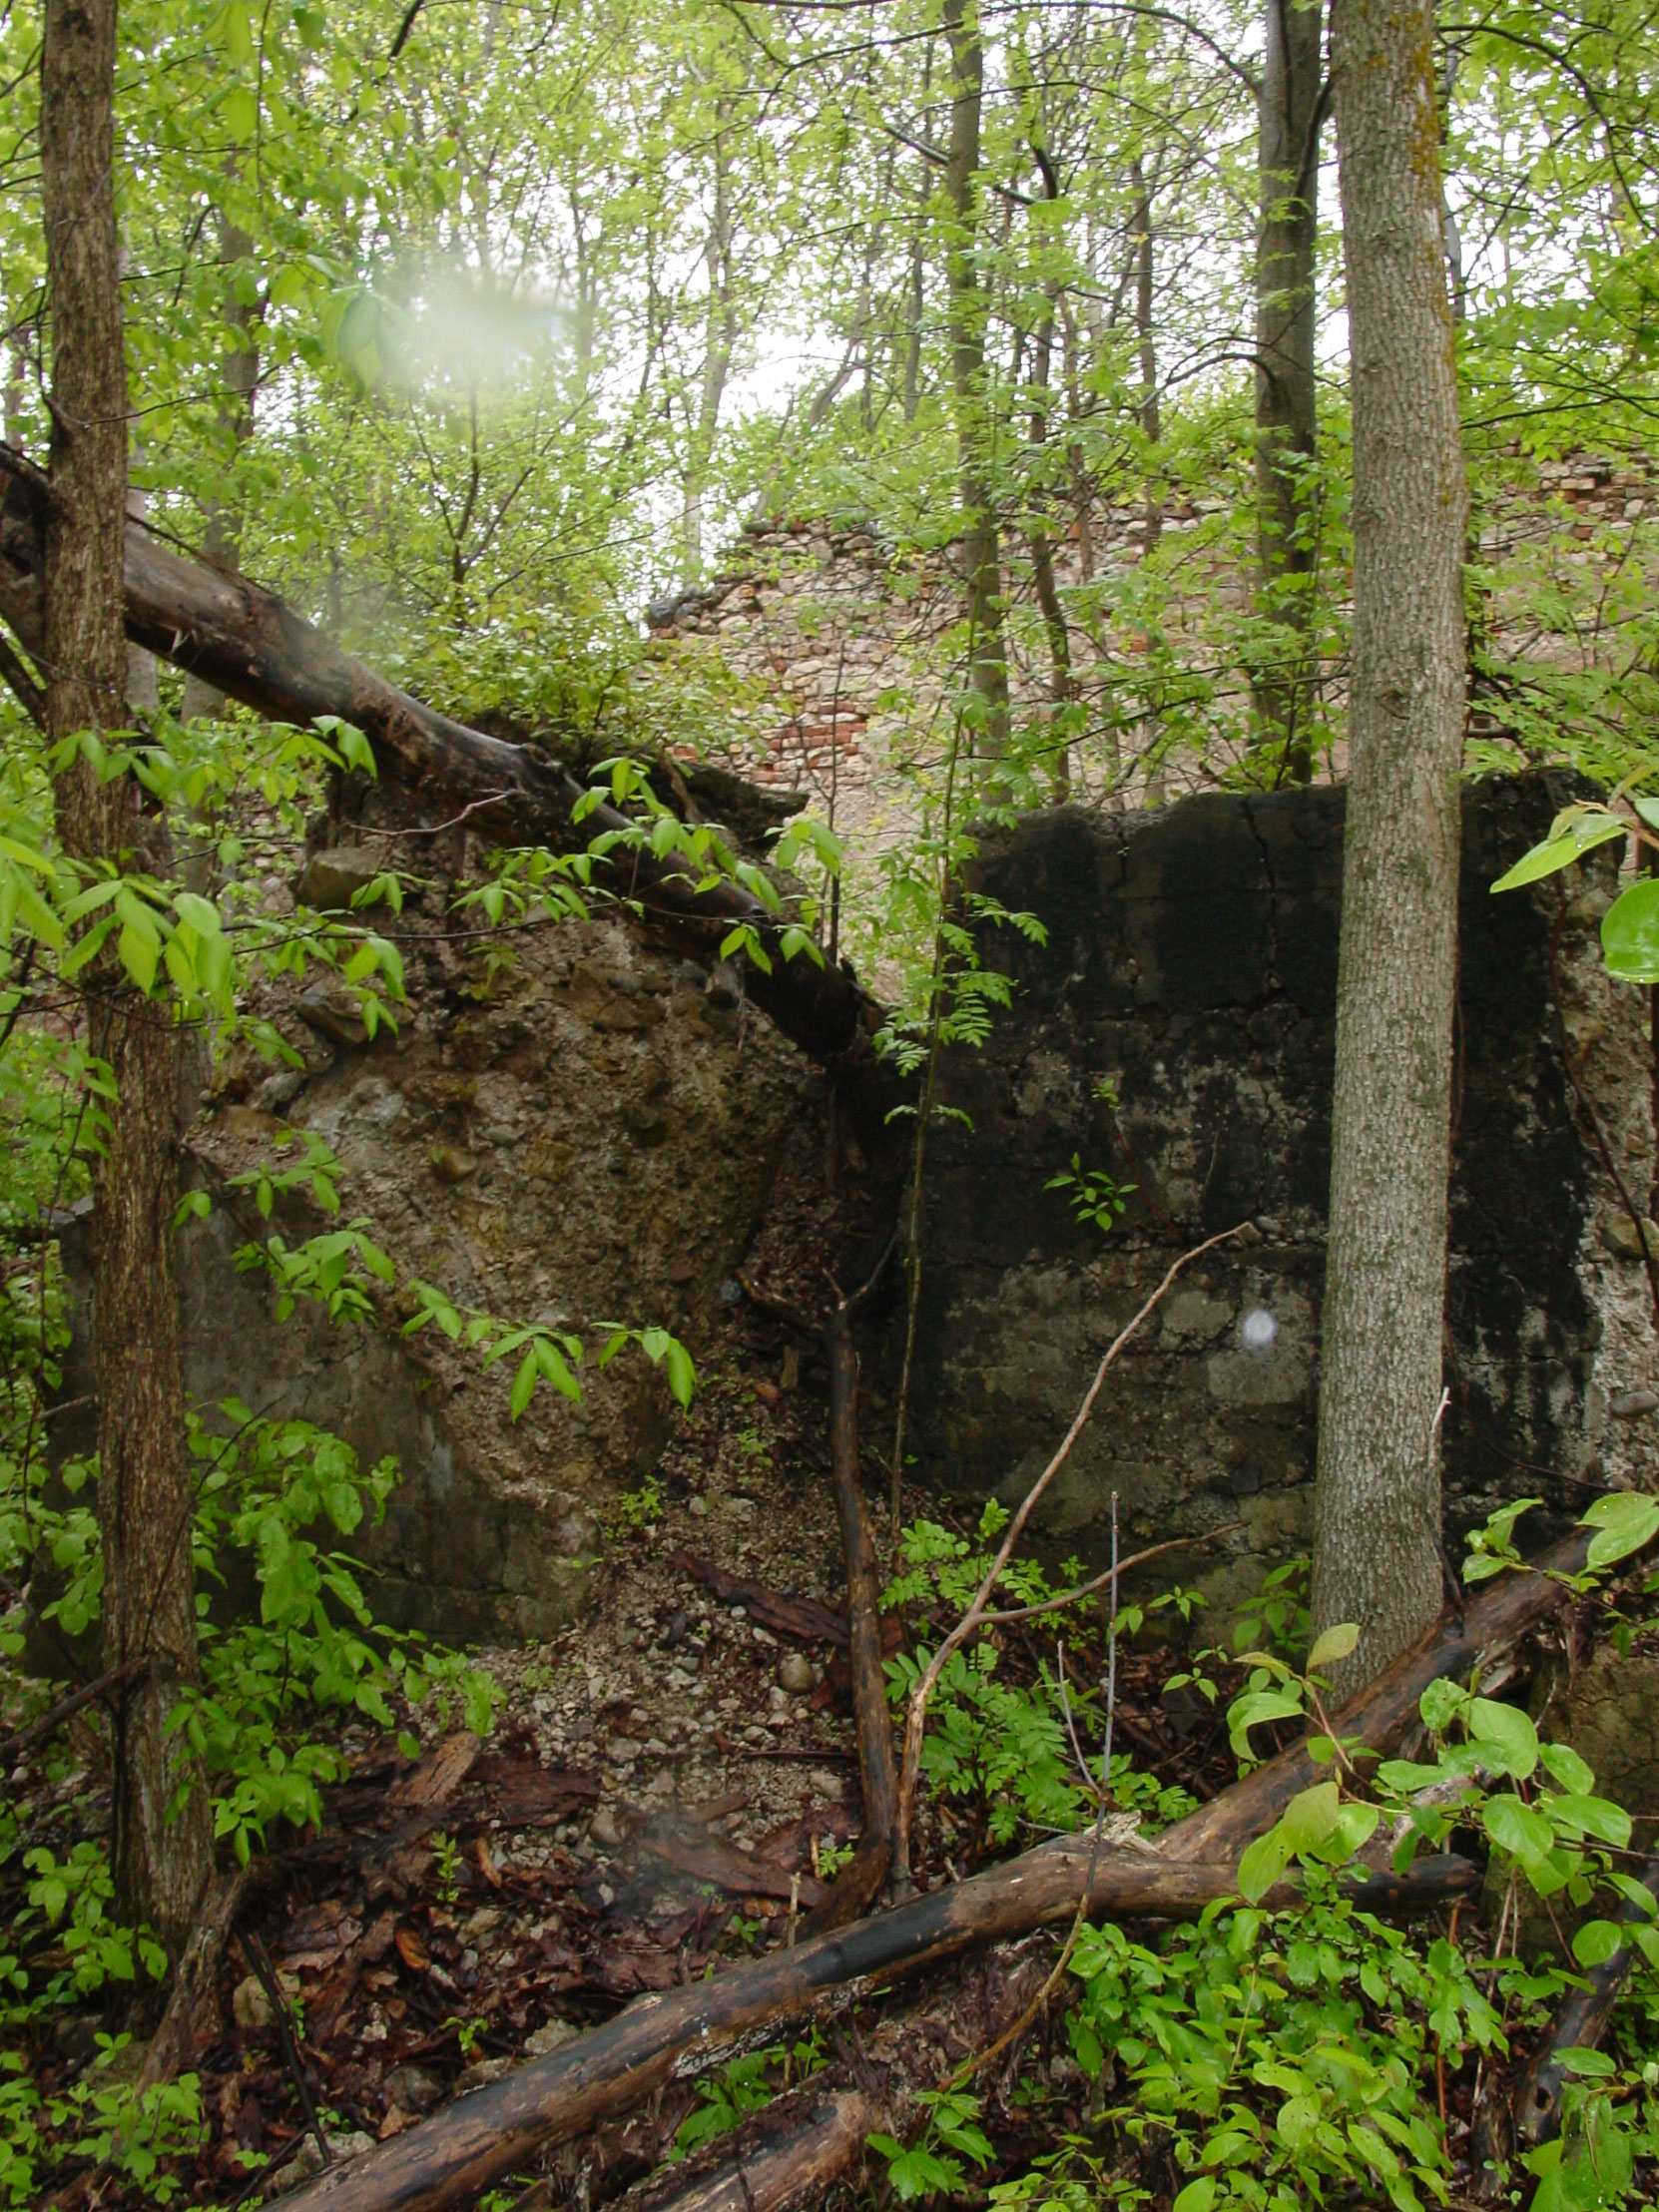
column 1087, row 1589
column 285, row 2035
column 66, row 1708
column 974, row 1618
column 1013, row 2034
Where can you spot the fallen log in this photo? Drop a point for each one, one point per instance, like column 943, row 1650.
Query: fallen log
column 250, row 644
column 1536, row 2103
column 803, row 2150
column 470, row 2145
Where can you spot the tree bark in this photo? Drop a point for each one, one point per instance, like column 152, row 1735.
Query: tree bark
column 252, row 645
column 720, row 337
column 857, row 1889
column 1376, row 1544
column 981, row 549
column 161, row 1867
column 1287, row 422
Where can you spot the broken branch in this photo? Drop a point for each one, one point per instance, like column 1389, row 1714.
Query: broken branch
column 975, row 1618
column 250, row 644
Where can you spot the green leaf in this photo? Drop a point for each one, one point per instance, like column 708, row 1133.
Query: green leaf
column 1261, row 1864
column 1625, row 1520
column 1577, row 830
column 1518, row 1828
column 1335, row 1643
column 199, row 912
column 139, row 953
column 240, row 113
column 1596, row 1941
column 1197, row 2196
column 1630, row 934
column 682, row 1376
column 524, row 1385
column 1565, row 1766
column 1311, row 1816
column 1594, row 1816
column 1508, row 1740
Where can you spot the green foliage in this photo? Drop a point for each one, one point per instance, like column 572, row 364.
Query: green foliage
column 1095, row 1196
column 935, row 2161
column 1004, row 1748
column 746, row 2085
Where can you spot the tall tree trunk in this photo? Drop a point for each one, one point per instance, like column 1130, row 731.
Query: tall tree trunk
column 719, row 342
column 981, row 553
column 221, row 539
column 1151, row 416
column 1287, row 424
column 144, row 1495
column 1038, row 536
column 1377, row 1552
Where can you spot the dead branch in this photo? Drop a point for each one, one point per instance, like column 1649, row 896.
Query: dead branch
column 249, row 644
column 64, row 1708
column 799, row 2148
column 975, row 1618
column 1535, row 2103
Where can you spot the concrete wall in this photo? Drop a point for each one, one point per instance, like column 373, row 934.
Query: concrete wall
column 1191, row 964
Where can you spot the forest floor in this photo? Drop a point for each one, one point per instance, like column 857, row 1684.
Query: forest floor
column 666, row 1786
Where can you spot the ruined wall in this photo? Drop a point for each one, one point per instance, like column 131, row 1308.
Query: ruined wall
column 567, row 1128
column 841, row 632
column 1191, row 966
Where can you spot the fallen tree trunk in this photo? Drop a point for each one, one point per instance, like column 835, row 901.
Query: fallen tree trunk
column 806, row 2147
column 471, row 2144
column 1536, row 2103
column 249, row 644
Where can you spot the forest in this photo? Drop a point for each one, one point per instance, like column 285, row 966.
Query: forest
column 828, row 1105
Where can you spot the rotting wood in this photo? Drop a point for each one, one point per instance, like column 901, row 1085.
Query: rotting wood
column 806, row 1619
column 468, row 2146
column 250, row 644
column 807, row 2145
column 1535, row 2103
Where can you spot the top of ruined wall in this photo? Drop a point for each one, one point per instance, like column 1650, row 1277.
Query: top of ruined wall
column 838, row 628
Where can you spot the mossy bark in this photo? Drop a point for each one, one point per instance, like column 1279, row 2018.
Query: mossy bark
column 161, row 1865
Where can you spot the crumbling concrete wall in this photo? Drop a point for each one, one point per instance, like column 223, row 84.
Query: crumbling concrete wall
column 567, row 1128
column 1190, row 972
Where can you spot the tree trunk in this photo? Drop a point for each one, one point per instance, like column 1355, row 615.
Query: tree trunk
column 1063, row 684
column 1377, row 1552
column 1146, row 341
column 144, row 1495
column 718, row 340
column 981, row 550
column 1286, row 427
